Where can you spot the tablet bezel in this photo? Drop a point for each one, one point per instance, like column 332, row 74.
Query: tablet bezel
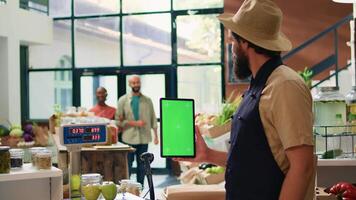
column 161, row 128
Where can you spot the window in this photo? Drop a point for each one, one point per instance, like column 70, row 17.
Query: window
column 198, row 39
column 96, row 7
column 56, row 55
column 88, row 86
column 174, row 45
column 60, row 8
column 45, row 91
column 196, row 4
column 40, row 6
column 132, row 6
column 147, row 39
column 203, row 84
column 99, row 42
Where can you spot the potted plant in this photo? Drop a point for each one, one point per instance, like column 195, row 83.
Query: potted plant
column 307, row 75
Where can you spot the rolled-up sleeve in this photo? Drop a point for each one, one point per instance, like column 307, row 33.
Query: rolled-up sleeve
column 153, row 116
column 120, row 114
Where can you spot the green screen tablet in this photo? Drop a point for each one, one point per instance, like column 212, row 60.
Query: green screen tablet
column 177, row 128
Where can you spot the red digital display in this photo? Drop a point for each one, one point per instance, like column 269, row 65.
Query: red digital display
column 94, row 137
column 84, row 134
column 76, row 130
column 92, row 130
column 86, row 130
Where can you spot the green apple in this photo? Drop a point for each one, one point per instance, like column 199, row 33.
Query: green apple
column 75, row 182
column 91, row 192
column 109, row 190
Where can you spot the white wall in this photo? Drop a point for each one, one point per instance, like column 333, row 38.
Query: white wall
column 17, row 26
column 4, row 78
column 28, row 27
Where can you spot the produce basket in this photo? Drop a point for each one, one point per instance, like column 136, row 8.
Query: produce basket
column 335, row 141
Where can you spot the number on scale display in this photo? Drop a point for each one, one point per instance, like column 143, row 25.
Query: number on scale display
column 84, row 134
column 95, row 137
column 84, row 130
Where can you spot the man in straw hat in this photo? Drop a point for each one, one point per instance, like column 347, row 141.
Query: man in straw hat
column 271, row 153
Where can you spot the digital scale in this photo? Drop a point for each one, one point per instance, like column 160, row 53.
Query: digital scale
column 74, row 136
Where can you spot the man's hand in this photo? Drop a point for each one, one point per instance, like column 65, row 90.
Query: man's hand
column 201, row 149
column 204, row 154
column 140, row 123
column 155, row 140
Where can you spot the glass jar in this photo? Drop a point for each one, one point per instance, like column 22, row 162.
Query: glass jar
column 91, row 186
column 43, row 160
column 329, row 104
column 351, row 109
column 34, row 151
column 134, row 188
column 130, row 186
column 4, row 160
column 16, row 158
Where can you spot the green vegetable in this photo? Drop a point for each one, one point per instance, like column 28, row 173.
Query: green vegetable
column 307, row 75
column 331, row 154
column 215, row 170
column 229, row 108
column 16, row 132
column 4, row 131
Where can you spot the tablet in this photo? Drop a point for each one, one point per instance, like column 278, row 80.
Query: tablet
column 177, row 127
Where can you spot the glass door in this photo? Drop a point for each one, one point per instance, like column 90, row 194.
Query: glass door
column 89, row 84
column 154, row 85
column 156, row 82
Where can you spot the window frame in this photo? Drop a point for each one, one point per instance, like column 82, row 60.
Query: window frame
column 76, row 71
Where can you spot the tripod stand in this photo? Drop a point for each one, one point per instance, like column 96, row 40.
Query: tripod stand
column 147, row 159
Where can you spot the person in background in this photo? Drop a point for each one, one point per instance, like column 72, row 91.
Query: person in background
column 101, row 109
column 271, row 144
column 136, row 116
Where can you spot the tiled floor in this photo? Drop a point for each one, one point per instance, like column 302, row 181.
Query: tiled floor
column 160, row 182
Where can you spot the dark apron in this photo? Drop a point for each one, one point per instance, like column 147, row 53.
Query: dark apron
column 252, row 172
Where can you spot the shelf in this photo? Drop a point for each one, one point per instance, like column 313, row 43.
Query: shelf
column 336, row 162
column 344, row 134
column 28, row 172
column 119, row 196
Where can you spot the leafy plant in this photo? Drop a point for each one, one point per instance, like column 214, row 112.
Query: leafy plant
column 57, row 114
column 307, row 75
column 228, row 109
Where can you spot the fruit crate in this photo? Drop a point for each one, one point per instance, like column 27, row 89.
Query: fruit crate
column 335, row 142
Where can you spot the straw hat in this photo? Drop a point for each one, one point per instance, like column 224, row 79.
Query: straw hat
column 259, row 22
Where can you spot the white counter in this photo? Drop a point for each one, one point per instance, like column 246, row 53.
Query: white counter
column 32, row 184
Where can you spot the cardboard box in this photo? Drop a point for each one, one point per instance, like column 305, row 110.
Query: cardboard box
column 190, row 176
column 208, row 179
column 194, row 192
column 321, row 195
column 217, row 131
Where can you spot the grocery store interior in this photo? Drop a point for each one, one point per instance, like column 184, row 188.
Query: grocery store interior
column 57, row 56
